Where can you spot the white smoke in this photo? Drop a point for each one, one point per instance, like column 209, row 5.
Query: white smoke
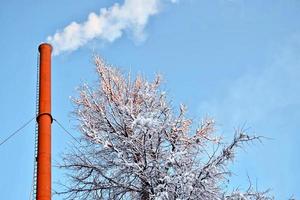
column 132, row 15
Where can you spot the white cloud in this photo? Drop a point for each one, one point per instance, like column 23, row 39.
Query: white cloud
column 257, row 95
column 132, row 15
column 268, row 100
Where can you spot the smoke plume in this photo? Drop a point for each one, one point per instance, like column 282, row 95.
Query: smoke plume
column 108, row 25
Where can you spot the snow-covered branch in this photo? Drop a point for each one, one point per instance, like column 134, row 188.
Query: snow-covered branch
column 137, row 147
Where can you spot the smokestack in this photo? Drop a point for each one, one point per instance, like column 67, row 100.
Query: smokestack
column 44, row 120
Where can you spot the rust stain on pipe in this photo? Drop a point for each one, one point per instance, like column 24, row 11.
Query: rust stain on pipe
column 44, row 120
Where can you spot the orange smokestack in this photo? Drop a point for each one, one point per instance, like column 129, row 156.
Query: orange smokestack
column 44, row 120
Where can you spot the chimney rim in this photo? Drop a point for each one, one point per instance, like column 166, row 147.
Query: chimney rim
column 45, row 45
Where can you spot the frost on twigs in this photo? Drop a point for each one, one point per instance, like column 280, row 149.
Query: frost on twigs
column 135, row 146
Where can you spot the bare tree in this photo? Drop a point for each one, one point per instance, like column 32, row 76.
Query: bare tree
column 135, row 146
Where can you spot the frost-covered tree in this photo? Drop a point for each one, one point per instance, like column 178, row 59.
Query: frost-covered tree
column 135, row 146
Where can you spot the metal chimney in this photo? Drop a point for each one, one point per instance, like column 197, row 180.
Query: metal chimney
column 44, row 120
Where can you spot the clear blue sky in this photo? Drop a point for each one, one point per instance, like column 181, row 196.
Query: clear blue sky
column 235, row 60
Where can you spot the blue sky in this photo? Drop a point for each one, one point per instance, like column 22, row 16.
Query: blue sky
column 235, row 60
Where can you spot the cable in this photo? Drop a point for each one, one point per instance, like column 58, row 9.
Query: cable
column 61, row 126
column 14, row 133
column 73, row 138
column 66, row 131
column 82, row 153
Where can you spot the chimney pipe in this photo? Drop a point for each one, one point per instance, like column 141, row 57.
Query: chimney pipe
column 44, row 120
